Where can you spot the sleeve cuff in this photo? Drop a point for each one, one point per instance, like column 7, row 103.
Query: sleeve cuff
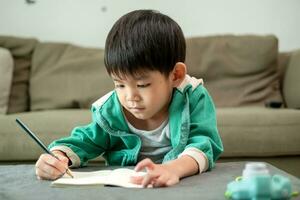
column 70, row 153
column 198, row 156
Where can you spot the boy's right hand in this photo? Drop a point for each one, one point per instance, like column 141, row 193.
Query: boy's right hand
column 50, row 168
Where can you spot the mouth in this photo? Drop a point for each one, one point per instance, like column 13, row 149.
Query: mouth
column 136, row 108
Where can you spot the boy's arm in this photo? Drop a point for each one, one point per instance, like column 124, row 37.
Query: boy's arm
column 198, row 156
column 204, row 137
column 183, row 166
column 85, row 143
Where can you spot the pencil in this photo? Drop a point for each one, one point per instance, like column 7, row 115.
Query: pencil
column 40, row 143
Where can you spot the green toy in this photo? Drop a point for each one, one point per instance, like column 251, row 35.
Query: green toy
column 258, row 184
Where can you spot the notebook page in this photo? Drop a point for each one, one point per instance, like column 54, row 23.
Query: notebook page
column 121, row 177
column 83, row 178
column 118, row 177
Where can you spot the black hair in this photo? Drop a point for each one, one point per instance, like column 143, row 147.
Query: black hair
column 144, row 40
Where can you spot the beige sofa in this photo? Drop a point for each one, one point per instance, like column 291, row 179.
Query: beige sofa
column 53, row 85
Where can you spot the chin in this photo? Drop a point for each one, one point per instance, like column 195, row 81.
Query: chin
column 140, row 116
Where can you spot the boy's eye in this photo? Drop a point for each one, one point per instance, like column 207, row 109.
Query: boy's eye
column 119, row 86
column 144, row 85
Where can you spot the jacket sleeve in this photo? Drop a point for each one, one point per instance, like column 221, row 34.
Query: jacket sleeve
column 204, row 134
column 86, row 142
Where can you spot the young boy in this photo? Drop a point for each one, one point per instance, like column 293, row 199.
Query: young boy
column 157, row 118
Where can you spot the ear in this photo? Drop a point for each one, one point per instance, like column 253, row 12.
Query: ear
column 178, row 74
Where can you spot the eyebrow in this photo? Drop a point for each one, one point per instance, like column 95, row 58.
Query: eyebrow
column 135, row 77
column 141, row 77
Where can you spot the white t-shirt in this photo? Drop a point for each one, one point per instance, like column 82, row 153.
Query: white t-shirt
column 155, row 143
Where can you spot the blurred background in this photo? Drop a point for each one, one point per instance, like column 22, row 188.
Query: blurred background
column 255, row 87
column 87, row 22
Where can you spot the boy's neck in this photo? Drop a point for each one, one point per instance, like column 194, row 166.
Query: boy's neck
column 148, row 124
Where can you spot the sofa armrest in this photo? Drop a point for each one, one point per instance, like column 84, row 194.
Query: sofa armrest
column 291, row 86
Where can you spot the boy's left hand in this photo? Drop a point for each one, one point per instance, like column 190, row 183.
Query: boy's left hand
column 158, row 175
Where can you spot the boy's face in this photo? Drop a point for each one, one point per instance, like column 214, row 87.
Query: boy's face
column 146, row 97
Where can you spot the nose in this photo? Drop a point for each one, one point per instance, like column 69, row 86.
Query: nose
column 132, row 95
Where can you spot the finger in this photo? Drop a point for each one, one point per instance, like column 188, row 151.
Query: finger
column 47, row 168
column 171, row 182
column 41, row 161
column 40, row 174
column 47, row 174
column 62, row 158
column 45, row 171
column 54, row 162
column 146, row 163
column 136, row 179
column 149, row 178
column 161, row 181
column 38, row 170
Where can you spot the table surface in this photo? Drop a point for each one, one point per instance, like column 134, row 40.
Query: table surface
column 20, row 182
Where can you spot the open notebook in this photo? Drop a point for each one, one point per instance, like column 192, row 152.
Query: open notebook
column 118, row 177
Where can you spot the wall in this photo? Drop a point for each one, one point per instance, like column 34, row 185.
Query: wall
column 88, row 22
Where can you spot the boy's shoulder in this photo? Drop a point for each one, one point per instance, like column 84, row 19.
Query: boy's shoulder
column 190, row 81
column 101, row 101
column 194, row 89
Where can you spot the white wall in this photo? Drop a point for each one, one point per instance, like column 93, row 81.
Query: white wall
column 87, row 22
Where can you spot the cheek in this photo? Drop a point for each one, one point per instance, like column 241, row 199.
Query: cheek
column 121, row 97
column 159, row 96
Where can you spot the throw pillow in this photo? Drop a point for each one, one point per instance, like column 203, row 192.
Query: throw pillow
column 237, row 70
column 6, row 72
column 67, row 76
column 291, row 89
column 21, row 50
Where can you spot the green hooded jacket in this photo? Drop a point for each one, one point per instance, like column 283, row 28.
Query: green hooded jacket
column 192, row 121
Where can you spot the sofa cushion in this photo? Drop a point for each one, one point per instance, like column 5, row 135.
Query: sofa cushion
column 237, row 70
column 259, row 132
column 283, row 61
column 291, row 87
column 21, row 50
column 6, row 72
column 67, row 76
column 245, row 132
